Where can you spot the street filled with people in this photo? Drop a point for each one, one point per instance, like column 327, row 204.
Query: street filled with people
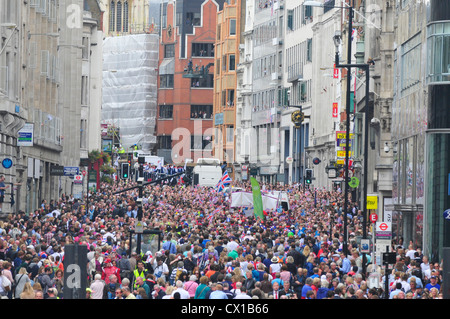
column 206, row 248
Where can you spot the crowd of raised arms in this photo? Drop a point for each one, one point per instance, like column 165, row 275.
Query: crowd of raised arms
column 207, row 249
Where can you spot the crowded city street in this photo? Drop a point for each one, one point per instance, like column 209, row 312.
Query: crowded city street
column 206, row 249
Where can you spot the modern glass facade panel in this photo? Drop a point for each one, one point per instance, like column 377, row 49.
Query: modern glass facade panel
column 438, row 199
column 438, row 63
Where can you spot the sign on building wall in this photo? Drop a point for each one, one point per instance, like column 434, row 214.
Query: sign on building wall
column 25, row 135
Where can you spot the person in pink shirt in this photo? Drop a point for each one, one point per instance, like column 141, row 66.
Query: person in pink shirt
column 191, row 285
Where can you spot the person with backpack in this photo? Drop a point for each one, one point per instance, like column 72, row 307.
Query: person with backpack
column 109, row 291
column 125, row 268
column 44, row 279
column 176, row 272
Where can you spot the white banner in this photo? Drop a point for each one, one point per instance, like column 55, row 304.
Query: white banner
column 245, row 199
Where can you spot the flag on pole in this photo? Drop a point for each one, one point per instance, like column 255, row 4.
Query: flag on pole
column 257, row 198
column 225, row 180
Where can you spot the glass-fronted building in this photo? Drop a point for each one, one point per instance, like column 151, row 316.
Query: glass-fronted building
column 421, row 126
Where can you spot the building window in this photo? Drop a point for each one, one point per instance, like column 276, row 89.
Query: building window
column 203, row 49
column 45, row 60
column 328, row 5
column 201, row 111
column 164, row 142
column 119, row 17
column 410, row 59
column 85, row 49
column 224, row 63
column 169, row 51
column 84, row 90
column 302, row 93
column 232, row 63
column 290, row 19
column 232, row 26
column 438, row 52
column 230, row 134
column 164, row 16
column 201, row 142
column 217, row 65
column 83, row 134
column 308, row 14
column 112, row 16
column 309, row 50
column 166, row 81
column 219, row 30
column 203, row 82
column 166, row 111
column 125, row 16
column 230, row 98
column 193, row 18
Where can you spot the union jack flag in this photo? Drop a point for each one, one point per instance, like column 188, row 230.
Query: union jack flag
column 224, row 181
column 211, row 216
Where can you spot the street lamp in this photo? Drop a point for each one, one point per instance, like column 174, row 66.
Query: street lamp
column 337, row 42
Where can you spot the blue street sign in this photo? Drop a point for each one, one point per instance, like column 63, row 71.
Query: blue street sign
column 71, row 171
column 7, row 163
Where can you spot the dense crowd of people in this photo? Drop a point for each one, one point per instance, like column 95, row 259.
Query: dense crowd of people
column 207, row 249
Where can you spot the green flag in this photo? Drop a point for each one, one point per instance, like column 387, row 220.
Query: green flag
column 257, row 199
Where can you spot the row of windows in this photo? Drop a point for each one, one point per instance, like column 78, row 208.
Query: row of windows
column 198, row 50
column 265, row 66
column 298, row 54
column 263, row 100
column 191, row 18
column 166, row 81
column 231, row 29
column 198, row 142
column 118, row 16
column 298, row 17
column 228, row 63
column 197, row 111
column 48, row 8
column 438, row 37
column 265, row 32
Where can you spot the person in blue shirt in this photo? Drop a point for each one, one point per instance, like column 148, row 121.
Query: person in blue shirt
column 346, row 265
column 218, row 293
column 170, row 245
column 307, row 287
column 433, row 283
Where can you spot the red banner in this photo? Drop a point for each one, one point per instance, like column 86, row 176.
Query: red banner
column 335, row 110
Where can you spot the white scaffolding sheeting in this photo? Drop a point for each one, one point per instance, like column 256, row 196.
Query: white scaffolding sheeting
column 130, row 87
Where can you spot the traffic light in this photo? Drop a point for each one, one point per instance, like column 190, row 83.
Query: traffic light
column 125, row 171
column 308, row 176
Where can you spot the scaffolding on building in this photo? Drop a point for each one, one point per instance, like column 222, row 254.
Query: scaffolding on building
column 129, row 97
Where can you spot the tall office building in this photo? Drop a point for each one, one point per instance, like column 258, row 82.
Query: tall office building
column 420, row 124
column 49, row 101
column 230, row 23
column 185, row 85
